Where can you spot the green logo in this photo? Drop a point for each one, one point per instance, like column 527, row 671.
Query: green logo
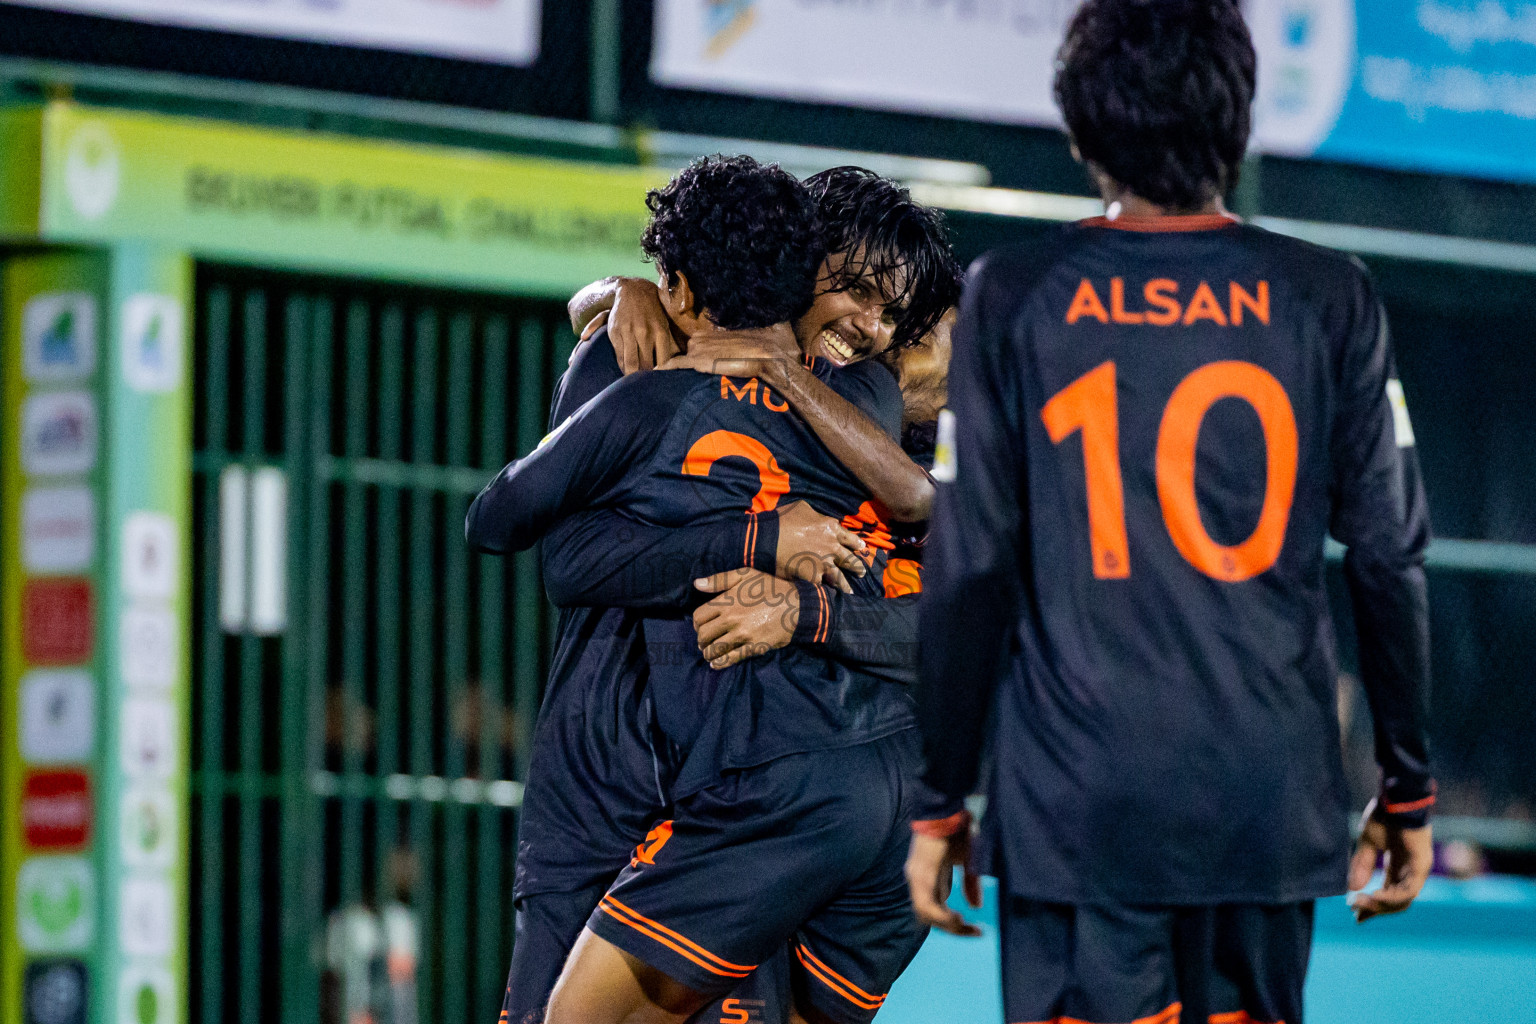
column 55, row 904
column 146, row 1006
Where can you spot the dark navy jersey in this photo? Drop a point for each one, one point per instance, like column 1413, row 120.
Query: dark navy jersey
column 674, row 448
column 1153, row 432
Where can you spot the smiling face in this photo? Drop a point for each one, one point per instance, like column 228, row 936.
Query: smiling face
column 849, row 322
column 922, row 369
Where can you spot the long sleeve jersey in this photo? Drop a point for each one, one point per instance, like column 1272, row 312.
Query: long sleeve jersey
column 1153, row 427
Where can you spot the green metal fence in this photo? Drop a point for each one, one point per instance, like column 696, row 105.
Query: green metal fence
column 358, row 742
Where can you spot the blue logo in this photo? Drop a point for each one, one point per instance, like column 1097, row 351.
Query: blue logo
column 726, row 21
column 1298, row 27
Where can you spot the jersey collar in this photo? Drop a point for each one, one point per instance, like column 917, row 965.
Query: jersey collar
column 1161, row 225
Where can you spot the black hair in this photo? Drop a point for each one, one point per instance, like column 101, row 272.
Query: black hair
column 745, row 234
column 903, row 245
column 1158, row 94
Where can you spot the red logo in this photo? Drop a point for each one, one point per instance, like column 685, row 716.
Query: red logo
column 57, row 622
column 56, row 810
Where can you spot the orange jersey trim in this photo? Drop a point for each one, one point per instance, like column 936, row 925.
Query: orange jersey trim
column 1168, row 1016
column 1159, row 225
column 1415, row 805
column 751, row 541
column 1237, row 1017
column 943, row 828
column 678, row 943
column 836, row 982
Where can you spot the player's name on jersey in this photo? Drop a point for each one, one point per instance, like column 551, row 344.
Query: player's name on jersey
column 1162, row 303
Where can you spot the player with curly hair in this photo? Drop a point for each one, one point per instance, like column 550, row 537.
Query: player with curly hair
column 1156, row 417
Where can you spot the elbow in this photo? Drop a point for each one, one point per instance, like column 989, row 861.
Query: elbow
column 474, row 535
column 914, row 502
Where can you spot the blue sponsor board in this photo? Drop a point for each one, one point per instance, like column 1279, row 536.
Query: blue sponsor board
column 1441, row 85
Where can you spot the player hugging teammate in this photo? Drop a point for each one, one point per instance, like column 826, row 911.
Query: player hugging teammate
column 686, row 822
column 1156, row 418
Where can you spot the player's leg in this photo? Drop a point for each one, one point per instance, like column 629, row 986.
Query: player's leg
column 846, row 957
column 1098, row 964
column 763, row 998
column 723, row 887
column 548, row 924
column 1259, row 962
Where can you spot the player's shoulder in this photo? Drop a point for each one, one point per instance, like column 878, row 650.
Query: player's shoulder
column 1015, row 270
column 872, row 386
column 1308, row 265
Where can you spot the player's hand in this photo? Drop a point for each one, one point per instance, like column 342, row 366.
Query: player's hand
column 639, row 327
column 931, row 864
column 1409, row 853
column 754, row 613
column 816, row 548
column 593, row 326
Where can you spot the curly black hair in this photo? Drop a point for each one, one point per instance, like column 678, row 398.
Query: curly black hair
column 1158, row 94
column 900, row 243
column 745, row 235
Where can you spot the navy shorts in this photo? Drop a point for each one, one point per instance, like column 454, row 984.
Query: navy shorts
column 1228, row 964
column 807, row 851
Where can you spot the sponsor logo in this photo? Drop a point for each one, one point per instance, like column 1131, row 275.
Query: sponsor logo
column 1402, row 426
column 147, row 646
column 55, row 904
column 92, row 170
column 58, row 529
column 58, row 716
column 148, row 740
column 145, row 922
column 725, row 22
column 944, row 466
column 145, row 995
column 148, row 828
column 1306, row 72
column 58, row 433
column 742, row 1011
column 54, row 992
column 56, row 809
column 57, row 624
column 59, row 336
column 149, row 555
column 152, row 328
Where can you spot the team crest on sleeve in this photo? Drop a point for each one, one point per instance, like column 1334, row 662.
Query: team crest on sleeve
column 944, row 449
column 1402, row 426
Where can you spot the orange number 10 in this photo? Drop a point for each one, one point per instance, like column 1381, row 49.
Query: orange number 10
column 1091, row 404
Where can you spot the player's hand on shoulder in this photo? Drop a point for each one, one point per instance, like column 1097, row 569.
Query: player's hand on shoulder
column 639, row 327
column 1408, row 856
column 752, row 613
column 817, row 548
column 593, row 326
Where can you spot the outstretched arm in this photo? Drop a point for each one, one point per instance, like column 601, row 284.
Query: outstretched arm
column 638, row 326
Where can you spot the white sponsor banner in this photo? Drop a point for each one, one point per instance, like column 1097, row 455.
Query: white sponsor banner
column 501, row 31
column 988, row 60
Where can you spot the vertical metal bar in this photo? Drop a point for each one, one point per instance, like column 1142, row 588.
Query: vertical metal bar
column 211, row 681
column 387, row 565
column 456, row 973
column 528, row 601
column 422, row 604
column 490, row 929
column 354, row 598
column 294, row 909
column 606, row 66
column 254, row 331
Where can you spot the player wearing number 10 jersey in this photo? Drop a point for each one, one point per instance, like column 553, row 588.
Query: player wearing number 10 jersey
column 1156, row 418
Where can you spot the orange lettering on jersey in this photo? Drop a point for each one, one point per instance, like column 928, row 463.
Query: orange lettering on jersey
column 1159, row 294
column 1204, row 307
column 1117, row 304
column 903, row 576
column 712, row 447
column 869, row 523
column 784, row 406
column 747, row 390
column 1086, row 303
column 1259, row 305
column 734, row 1014
column 646, row 852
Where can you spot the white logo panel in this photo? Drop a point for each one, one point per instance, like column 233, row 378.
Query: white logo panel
column 148, row 829
column 59, row 433
column 56, row 904
column 152, row 327
column 59, row 336
column 58, row 716
column 58, row 529
column 92, row 170
column 148, row 739
column 147, row 646
column 145, row 995
column 150, row 555
column 145, row 923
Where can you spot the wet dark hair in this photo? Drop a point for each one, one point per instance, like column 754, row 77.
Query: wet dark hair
column 746, row 236
column 1158, row 93
column 896, row 240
